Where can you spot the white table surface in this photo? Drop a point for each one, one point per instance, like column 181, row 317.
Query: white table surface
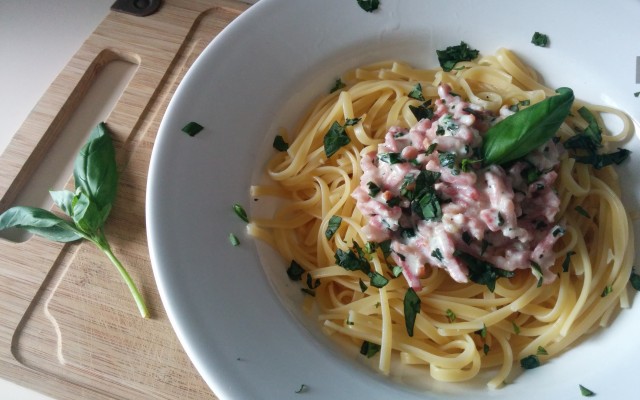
column 37, row 39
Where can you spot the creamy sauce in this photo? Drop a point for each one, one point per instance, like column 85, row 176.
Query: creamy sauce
column 505, row 217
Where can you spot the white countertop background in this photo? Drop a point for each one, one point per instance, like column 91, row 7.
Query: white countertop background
column 37, row 39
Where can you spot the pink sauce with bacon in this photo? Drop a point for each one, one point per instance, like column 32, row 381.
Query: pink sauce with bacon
column 504, row 216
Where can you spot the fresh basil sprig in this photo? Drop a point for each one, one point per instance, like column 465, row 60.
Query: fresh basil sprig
column 96, row 179
column 520, row 133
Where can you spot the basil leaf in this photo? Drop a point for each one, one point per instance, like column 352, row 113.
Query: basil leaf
column 295, row 271
column 95, row 170
column 411, row 309
column 240, row 212
column 530, row 362
column 567, row 261
column 363, row 286
column 192, row 128
column 279, row 143
column 64, row 200
column 40, row 222
column 586, row 392
column 482, row 272
column 423, row 111
column 373, row 189
column 337, row 85
column 599, row 161
column 86, row 215
column 233, row 239
column 449, row 57
column 353, row 261
column 369, row 5
column 635, row 280
column 377, row 280
column 369, row 349
column 335, row 138
column 332, row 226
column 520, row 133
column 416, row 93
column 391, row 158
column 540, row 39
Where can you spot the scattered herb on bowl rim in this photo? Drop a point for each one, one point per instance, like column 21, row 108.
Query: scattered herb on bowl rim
column 240, row 212
column 586, row 392
column 369, row 5
column 530, row 362
column 449, row 57
column 96, row 179
column 233, row 239
column 192, row 128
column 338, row 84
column 540, row 39
column 280, row 144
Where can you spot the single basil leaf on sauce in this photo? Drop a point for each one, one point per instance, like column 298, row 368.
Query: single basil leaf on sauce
column 334, row 139
column 449, row 57
column 518, row 134
column 411, row 309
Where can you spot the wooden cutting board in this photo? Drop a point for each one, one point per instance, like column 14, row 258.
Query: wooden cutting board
column 68, row 325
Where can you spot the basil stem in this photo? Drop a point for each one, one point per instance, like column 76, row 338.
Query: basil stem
column 519, row 134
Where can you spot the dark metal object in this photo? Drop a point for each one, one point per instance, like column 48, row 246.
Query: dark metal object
column 140, row 8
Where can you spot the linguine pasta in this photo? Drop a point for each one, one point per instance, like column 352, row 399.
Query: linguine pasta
column 461, row 328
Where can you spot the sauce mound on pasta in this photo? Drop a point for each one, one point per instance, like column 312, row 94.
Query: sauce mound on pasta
column 357, row 180
column 502, row 216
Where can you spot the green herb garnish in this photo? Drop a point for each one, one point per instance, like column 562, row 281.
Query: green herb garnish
column 599, row 161
column 233, row 239
column 279, row 143
column 530, row 362
column 423, row 111
column 332, row 226
column 567, row 261
column 482, row 272
column 373, row 189
column 516, row 328
column 369, row 5
column 335, row 138
column 634, row 279
column 411, row 309
column 295, row 271
column 449, row 57
column 391, row 158
column 369, row 349
column 606, row 291
column 542, row 351
column 482, row 332
column 337, row 85
column 240, row 212
column 96, row 178
column 363, row 286
column 377, row 280
column 518, row 134
column 303, row 388
column 636, row 94
column 485, row 349
column 586, row 392
column 192, row 128
column 540, row 39
column 416, row 93
column 451, row 316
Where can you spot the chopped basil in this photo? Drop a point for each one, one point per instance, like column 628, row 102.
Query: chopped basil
column 558, row 231
column 192, row 128
column 451, row 126
column 377, row 280
column 335, row 138
column 451, row 316
column 537, row 272
column 542, row 351
column 586, row 392
column 233, row 239
column 303, row 388
column 370, row 247
column 279, row 143
column 416, row 93
column 391, row 158
column 447, row 159
column 406, row 182
column 430, row 206
column 530, row 362
column 500, row 219
column 373, row 189
column 482, row 332
column 540, row 39
column 516, row 328
column 308, row 291
column 240, row 212
column 337, row 85
column 485, row 349
column 516, row 107
column 582, row 212
column 363, row 286
column 635, row 280
column 484, row 246
column 482, row 272
column 411, row 309
column 466, row 237
column 396, row 271
column 295, row 271
column 369, row 349
column 607, row 289
column 636, row 94
column 353, row 261
column 423, row 111
column 369, row 5
column 432, row 147
column 449, row 57
column 440, row 130
column 465, row 164
column 385, row 246
column 394, row 201
column 599, row 161
column 437, row 254
column 332, row 226
column 567, row 261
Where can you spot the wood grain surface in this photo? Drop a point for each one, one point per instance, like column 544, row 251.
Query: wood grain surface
column 68, row 325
